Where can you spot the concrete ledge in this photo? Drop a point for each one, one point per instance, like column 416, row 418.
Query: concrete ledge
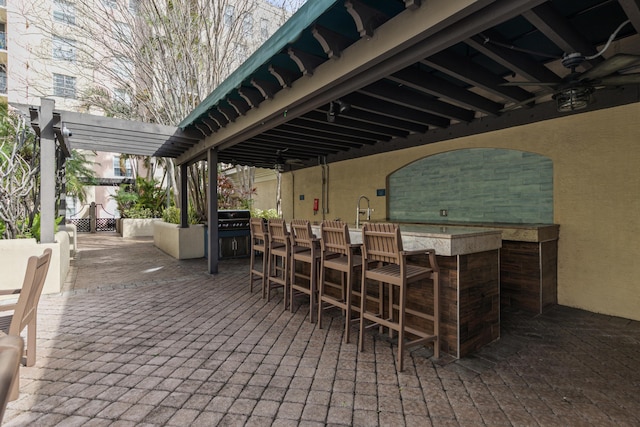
column 136, row 227
column 180, row 243
column 14, row 254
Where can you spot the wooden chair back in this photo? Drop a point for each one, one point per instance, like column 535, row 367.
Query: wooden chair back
column 26, row 308
column 258, row 230
column 382, row 242
column 335, row 237
column 301, row 234
column 11, row 349
column 278, row 233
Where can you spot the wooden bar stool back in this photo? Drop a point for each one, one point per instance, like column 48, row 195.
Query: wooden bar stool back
column 305, row 249
column 338, row 254
column 386, row 263
column 259, row 243
column 279, row 258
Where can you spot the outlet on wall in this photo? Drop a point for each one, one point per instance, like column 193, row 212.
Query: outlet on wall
column 444, row 212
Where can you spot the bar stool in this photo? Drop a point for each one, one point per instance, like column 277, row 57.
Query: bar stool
column 305, row 247
column 279, row 258
column 382, row 244
column 259, row 243
column 338, row 254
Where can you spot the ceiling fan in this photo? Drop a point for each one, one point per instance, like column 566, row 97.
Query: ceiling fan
column 575, row 90
column 281, row 161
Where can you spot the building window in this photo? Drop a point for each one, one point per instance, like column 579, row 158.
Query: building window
column 64, row 12
column 3, row 78
column 133, row 6
column 247, row 25
column 3, row 37
column 122, row 95
column 123, row 68
column 229, row 15
column 110, row 3
column 241, row 52
column 64, row 49
column 122, row 31
column 264, row 28
column 64, row 86
column 117, row 167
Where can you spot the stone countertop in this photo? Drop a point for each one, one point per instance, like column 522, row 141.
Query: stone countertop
column 513, row 232
column 446, row 240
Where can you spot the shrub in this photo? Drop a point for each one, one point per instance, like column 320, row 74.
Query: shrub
column 138, row 212
column 172, row 215
column 265, row 214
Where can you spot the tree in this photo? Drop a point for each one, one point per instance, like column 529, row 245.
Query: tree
column 79, row 175
column 18, row 174
column 155, row 61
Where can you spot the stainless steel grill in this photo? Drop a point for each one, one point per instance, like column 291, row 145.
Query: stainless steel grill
column 234, row 233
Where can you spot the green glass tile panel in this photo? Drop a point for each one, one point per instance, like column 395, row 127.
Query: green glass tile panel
column 474, row 185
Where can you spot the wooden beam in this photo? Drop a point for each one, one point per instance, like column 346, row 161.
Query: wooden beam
column 266, row 88
column 284, row 76
column 408, row 98
column 332, row 43
column 428, row 83
column 252, row 96
column 366, row 18
column 306, row 62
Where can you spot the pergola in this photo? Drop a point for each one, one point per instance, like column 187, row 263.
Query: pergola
column 346, row 79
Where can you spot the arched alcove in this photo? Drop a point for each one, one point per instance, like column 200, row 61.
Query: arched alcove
column 485, row 185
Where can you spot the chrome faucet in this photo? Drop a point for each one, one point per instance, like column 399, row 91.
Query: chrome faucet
column 360, row 211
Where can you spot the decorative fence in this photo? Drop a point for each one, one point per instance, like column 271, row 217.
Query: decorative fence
column 102, row 224
column 84, row 225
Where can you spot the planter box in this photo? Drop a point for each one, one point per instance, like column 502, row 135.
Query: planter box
column 180, row 243
column 136, row 227
column 14, row 254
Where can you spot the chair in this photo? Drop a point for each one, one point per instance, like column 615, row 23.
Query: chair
column 305, row 247
column 11, row 349
column 340, row 255
column 259, row 243
column 384, row 261
column 25, row 310
column 279, row 254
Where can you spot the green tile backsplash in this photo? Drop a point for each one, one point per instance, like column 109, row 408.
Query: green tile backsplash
column 474, row 185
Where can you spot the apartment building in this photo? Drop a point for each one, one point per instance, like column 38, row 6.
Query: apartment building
column 83, row 53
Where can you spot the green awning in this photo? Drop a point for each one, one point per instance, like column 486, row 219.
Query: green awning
column 287, row 34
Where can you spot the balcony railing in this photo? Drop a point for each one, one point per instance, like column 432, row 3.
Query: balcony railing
column 3, row 40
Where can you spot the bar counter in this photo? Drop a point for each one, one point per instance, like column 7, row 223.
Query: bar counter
column 469, row 262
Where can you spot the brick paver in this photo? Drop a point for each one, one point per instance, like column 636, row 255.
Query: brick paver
column 139, row 338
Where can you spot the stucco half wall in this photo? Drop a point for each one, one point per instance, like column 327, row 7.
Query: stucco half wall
column 596, row 198
column 15, row 253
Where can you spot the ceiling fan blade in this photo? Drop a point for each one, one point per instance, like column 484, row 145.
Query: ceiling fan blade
column 617, row 62
column 528, row 84
column 622, row 79
column 523, row 103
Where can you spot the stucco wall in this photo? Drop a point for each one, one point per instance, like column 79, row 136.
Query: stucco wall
column 15, row 253
column 596, row 198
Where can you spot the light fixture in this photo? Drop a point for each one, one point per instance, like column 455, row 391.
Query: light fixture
column 336, row 108
column 575, row 98
column 331, row 114
column 342, row 106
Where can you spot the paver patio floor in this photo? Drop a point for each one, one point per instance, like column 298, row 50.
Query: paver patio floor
column 139, row 338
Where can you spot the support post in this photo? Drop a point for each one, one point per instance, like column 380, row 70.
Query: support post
column 47, row 171
column 62, row 177
column 93, row 217
column 212, row 201
column 184, row 204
